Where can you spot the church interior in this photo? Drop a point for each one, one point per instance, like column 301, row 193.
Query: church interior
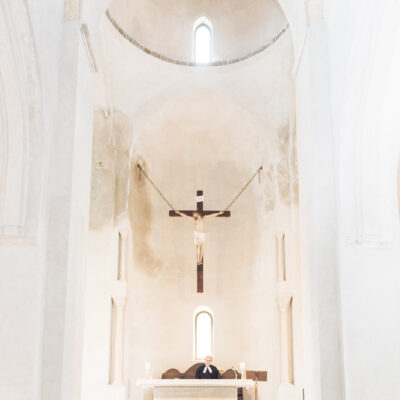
column 186, row 179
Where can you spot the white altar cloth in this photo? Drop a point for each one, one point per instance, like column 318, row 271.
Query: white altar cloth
column 237, row 383
column 195, row 389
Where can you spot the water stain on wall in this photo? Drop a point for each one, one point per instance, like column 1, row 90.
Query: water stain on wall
column 142, row 219
column 112, row 135
column 123, row 138
column 269, row 193
column 282, row 177
column 294, row 167
column 103, row 173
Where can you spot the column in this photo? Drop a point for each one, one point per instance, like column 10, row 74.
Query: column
column 280, row 256
column 323, row 373
column 122, row 256
column 285, row 307
column 68, row 194
column 118, row 340
column 119, row 299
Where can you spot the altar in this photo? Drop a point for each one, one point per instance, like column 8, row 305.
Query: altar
column 198, row 389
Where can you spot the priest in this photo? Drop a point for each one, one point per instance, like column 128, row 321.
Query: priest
column 207, row 371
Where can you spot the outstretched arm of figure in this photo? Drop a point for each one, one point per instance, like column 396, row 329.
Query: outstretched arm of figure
column 183, row 215
column 214, row 214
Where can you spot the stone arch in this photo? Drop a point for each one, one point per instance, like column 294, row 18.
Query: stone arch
column 21, row 120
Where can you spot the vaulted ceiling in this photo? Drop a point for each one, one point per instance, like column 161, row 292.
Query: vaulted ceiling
column 239, row 27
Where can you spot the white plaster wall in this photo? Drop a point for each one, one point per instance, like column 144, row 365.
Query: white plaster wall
column 21, row 311
column 296, row 14
column 22, row 260
column 42, row 270
column 238, row 27
column 318, row 219
column 101, row 273
column 364, row 65
column 352, row 86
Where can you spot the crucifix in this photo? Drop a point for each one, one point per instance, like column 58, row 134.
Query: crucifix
column 199, row 215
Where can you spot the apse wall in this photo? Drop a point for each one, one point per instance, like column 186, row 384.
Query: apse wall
column 193, row 142
column 239, row 27
column 191, row 129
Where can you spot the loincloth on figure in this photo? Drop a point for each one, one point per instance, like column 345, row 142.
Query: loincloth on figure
column 199, row 237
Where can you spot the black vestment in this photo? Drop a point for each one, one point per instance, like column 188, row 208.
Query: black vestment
column 207, row 375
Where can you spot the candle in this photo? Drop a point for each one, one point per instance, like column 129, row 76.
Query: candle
column 242, row 366
column 147, row 367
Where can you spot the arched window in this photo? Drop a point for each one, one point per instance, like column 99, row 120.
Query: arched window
column 203, row 333
column 202, row 41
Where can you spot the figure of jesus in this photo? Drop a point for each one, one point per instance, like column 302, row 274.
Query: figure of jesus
column 199, row 231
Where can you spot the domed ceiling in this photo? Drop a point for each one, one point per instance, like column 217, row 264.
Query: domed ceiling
column 239, row 27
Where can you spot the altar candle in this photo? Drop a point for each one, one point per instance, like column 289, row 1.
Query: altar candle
column 147, row 367
column 242, row 366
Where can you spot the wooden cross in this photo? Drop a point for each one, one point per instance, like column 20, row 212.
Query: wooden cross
column 202, row 213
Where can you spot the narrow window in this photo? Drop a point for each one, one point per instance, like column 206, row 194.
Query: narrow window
column 203, row 333
column 202, row 42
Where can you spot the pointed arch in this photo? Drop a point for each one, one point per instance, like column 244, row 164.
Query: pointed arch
column 203, row 326
column 202, row 41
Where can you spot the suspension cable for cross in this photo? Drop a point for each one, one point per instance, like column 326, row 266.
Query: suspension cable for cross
column 157, row 189
column 225, row 209
column 243, row 189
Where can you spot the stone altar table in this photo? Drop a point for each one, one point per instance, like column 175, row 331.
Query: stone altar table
column 195, row 389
